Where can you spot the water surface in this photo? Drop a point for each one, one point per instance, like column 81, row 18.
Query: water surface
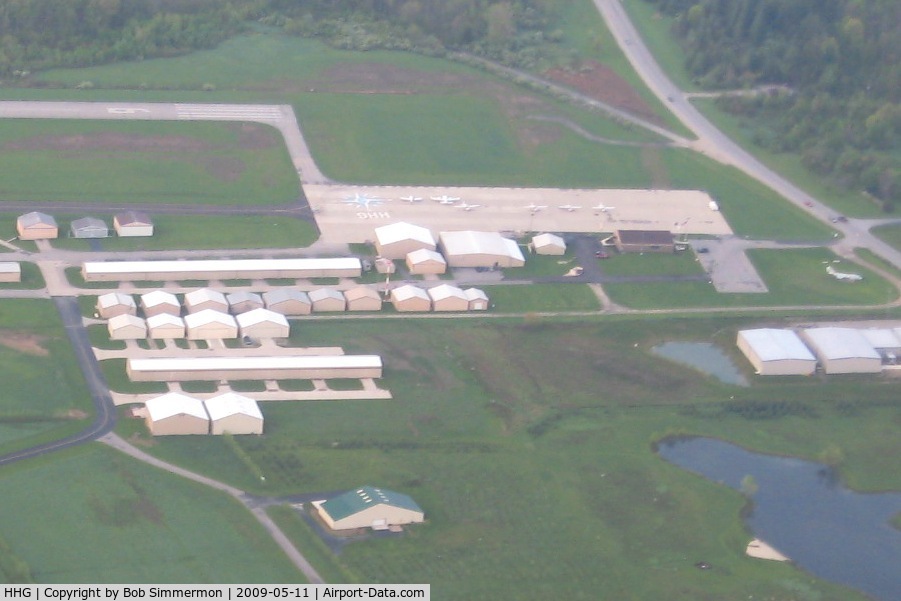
column 703, row 356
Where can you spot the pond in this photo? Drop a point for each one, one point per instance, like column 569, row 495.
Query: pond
column 703, row 356
column 804, row 512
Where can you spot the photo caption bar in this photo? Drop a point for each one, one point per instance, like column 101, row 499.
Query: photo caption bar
column 227, row 592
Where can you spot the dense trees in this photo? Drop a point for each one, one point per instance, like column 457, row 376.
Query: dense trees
column 842, row 58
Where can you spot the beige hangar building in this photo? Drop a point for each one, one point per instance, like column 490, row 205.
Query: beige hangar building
column 210, row 325
column 232, row 413
column 425, row 261
column 160, row 301
column 165, row 326
column 176, row 414
column 205, row 298
column 448, row 298
column 36, row 226
column 325, row 300
column 843, row 350
column 776, row 352
column 397, row 240
column 132, row 224
column 548, row 244
column 10, row 271
column 480, row 249
column 288, row 301
column 410, row 298
column 116, row 303
column 263, row 323
column 126, row 327
column 363, row 298
column 369, row 507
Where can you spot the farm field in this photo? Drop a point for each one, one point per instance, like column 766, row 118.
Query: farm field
column 122, row 521
column 535, row 473
column 144, row 162
column 793, row 277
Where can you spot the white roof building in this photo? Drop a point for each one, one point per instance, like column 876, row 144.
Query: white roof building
column 288, row 301
column 327, row 299
column 221, row 269
column 234, row 414
column 397, row 240
column 410, row 298
column 205, row 298
column 126, row 327
column 548, row 244
column 10, row 271
column 478, row 300
column 775, row 352
column 882, row 338
column 480, row 249
column 116, row 303
column 160, row 301
column 424, row 261
column 243, row 301
column 176, row 413
column 210, row 325
column 283, row 367
column 165, row 326
column 263, row 323
column 843, row 350
column 448, row 298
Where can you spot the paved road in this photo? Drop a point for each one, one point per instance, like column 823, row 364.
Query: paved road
column 714, row 143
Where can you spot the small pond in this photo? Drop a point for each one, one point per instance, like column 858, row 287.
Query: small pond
column 800, row 509
column 703, row 356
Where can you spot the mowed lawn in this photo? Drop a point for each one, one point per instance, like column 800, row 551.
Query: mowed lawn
column 95, row 515
column 528, row 444
column 144, row 162
column 44, row 395
column 793, row 277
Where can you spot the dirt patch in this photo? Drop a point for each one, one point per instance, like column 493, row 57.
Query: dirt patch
column 602, row 83
column 24, row 342
column 380, row 78
column 253, row 136
column 227, row 169
column 110, row 141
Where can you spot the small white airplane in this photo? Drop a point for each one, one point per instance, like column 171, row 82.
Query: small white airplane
column 362, row 200
column 445, row 199
column 848, row 277
column 602, row 208
column 466, row 206
column 534, row 208
column 411, row 199
column 569, row 208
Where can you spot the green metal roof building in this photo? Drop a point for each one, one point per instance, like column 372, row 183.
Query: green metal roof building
column 369, row 507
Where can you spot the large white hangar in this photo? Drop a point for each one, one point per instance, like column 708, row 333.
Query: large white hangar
column 232, row 413
column 224, row 269
column 397, row 240
column 299, row 367
column 843, row 350
column 480, row 249
column 176, row 413
column 775, row 352
column 351, row 213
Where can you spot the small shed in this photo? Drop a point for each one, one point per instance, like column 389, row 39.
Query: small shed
column 548, row 244
column 327, row 299
column 132, row 223
column 397, row 240
column 175, row 413
column 160, row 301
column 126, row 327
column 243, row 301
column 36, row 226
column 424, row 261
column 448, row 298
column 363, row 298
column 776, row 352
column 262, row 323
column 165, row 326
column 369, row 507
column 88, row 227
column 210, row 325
column 232, row 413
column 644, row 241
column 205, row 298
column 478, row 300
column 10, row 271
column 288, row 301
column 410, row 298
column 843, row 350
column 116, row 303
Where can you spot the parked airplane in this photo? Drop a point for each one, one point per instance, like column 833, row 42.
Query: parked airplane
column 569, row 208
column 848, row 277
column 362, row 200
column 534, row 208
column 411, row 199
column 602, row 208
column 466, row 206
column 445, row 199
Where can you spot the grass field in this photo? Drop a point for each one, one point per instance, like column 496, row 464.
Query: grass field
column 534, row 473
column 132, row 523
column 192, row 232
column 541, row 297
column 144, row 162
column 890, row 234
column 652, row 264
column 793, row 277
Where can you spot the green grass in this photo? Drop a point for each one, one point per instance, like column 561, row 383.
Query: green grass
column 651, row 264
column 73, row 274
column 144, row 162
column 793, row 277
column 247, row 386
column 871, row 258
column 541, row 297
column 117, row 380
column 98, row 334
column 543, row 265
column 199, row 386
column 314, row 550
column 133, row 523
column 654, row 28
column 531, row 472
column 890, row 234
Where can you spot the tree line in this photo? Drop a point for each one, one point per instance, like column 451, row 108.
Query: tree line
column 842, row 59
